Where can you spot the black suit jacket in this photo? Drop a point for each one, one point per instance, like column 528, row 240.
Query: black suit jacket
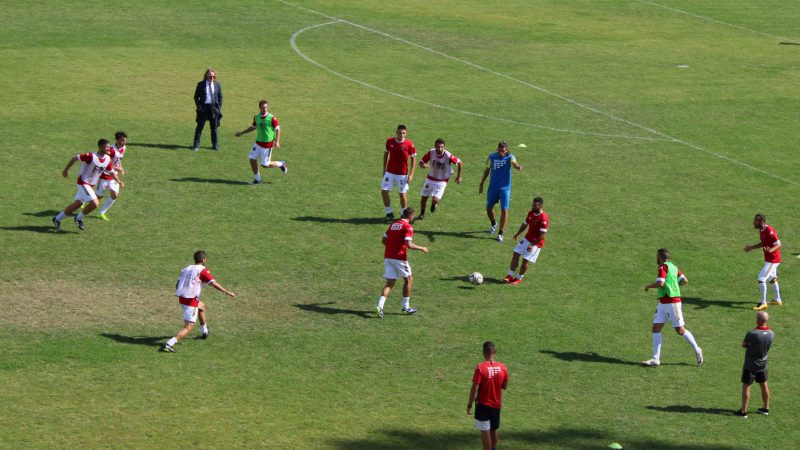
column 200, row 100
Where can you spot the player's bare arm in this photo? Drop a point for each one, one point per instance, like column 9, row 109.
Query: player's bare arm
column 522, row 228
column 483, row 180
column 385, row 162
column 411, row 171
column 536, row 241
column 278, row 137
column 219, row 287
column 749, row 248
column 458, row 176
column 414, row 246
column 654, row 285
column 383, row 240
column 682, row 280
column 472, row 393
column 516, row 165
column 72, row 161
column 116, row 178
column 245, row 131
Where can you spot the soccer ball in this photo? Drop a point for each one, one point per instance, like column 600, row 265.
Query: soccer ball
column 476, row 278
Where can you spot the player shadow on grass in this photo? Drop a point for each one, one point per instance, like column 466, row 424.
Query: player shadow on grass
column 702, row 303
column 150, row 341
column 353, row 220
column 594, row 357
column 37, row 229
column 691, row 409
column 161, row 146
column 322, row 308
column 573, row 438
column 465, row 279
column 214, row 180
column 431, row 235
column 46, row 213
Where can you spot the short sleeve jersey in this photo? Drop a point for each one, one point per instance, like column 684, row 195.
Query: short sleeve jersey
column 399, row 153
column 116, row 155
column 769, row 239
column 758, row 343
column 669, row 283
column 500, row 170
column 537, row 224
column 492, row 378
column 91, row 168
column 441, row 167
column 397, row 237
column 191, row 282
column 265, row 129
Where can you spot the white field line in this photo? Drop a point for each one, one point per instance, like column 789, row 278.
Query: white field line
column 530, row 85
column 293, row 42
column 710, row 19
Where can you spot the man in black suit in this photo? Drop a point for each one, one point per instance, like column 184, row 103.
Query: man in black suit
column 208, row 100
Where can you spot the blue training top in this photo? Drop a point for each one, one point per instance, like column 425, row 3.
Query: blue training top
column 500, row 174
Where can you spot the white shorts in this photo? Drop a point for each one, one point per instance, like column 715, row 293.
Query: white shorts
column 435, row 188
column 107, row 184
column 85, row 193
column 189, row 313
column 522, row 249
column 768, row 272
column 483, row 425
column 390, row 179
column 261, row 154
column 395, row 268
column 671, row 311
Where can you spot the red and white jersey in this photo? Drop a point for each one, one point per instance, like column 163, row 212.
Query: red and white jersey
column 492, row 378
column 662, row 277
column 537, row 223
column 769, row 239
column 116, row 155
column 441, row 167
column 397, row 237
column 93, row 165
column 399, row 152
column 190, row 283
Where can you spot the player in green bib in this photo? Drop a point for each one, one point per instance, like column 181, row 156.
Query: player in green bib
column 268, row 136
column 668, row 282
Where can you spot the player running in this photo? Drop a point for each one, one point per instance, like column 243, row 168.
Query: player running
column 537, row 224
column 397, row 240
column 771, row 246
column 440, row 161
column 107, row 182
column 668, row 282
column 268, row 136
column 396, row 172
column 92, row 165
column 187, row 289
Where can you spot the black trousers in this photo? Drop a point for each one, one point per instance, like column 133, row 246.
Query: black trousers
column 206, row 114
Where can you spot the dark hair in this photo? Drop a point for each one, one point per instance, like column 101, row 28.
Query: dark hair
column 120, row 135
column 262, row 102
column 401, row 127
column 503, row 144
column 663, row 254
column 439, row 141
column 488, row 348
column 199, row 256
column 538, row 200
column 407, row 212
column 103, row 143
column 761, row 217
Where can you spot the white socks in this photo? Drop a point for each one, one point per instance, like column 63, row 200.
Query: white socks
column 107, row 204
column 172, row 342
column 61, row 216
column 657, row 346
column 204, row 328
column 777, row 290
column 388, row 210
column 257, row 177
column 80, row 216
column 279, row 164
column 406, row 301
column 762, row 286
column 690, row 339
column 381, row 301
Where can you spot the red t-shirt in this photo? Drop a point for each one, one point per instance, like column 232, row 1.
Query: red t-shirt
column 536, row 224
column 397, row 237
column 399, row 152
column 769, row 238
column 662, row 276
column 492, row 377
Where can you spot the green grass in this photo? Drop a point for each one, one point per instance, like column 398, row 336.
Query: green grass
column 297, row 359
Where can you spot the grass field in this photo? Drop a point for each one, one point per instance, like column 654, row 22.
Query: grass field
column 630, row 150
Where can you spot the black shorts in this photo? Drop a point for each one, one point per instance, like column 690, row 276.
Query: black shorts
column 484, row 413
column 759, row 377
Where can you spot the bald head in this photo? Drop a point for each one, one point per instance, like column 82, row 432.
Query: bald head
column 761, row 318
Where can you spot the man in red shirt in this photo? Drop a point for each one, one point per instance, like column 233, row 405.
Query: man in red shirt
column 397, row 240
column 771, row 246
column 537, row 223
column 396, row 168
column 488, row 381
column 187, row 289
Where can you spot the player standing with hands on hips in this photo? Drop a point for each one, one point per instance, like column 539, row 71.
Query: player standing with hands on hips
column 489, row 380
column 187, row 289
column 771, row 246
column 668, row 282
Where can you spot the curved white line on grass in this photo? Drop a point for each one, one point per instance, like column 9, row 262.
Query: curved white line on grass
column 710, row 19
column 293, row 42
column 543, row 90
